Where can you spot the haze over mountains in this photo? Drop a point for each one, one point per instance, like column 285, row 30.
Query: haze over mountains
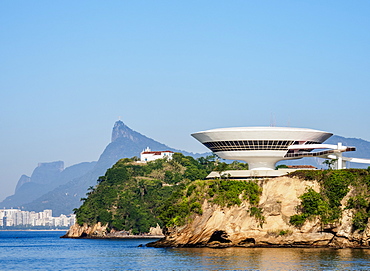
column 51, row 186
column 362, row 151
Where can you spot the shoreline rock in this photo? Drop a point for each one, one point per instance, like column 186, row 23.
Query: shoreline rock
column 220, row 227
column 99, row 231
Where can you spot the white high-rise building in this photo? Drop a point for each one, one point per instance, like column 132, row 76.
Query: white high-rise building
column 16, row 217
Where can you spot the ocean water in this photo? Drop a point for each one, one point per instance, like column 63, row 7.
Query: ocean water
column 26, row 250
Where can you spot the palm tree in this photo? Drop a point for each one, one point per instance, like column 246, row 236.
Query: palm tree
column 330, row 163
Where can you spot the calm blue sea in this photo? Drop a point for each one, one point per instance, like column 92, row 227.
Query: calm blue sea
column 25, row 250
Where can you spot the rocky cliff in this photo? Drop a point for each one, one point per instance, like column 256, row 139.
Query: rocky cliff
column 234, row 226
column 98, row 231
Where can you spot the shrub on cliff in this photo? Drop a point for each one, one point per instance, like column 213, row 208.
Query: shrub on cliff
column 335, row 185
column 313, row 204
column 178, row 209
column 359, row 202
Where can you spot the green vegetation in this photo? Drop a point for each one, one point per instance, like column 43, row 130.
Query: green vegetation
column 326, row 204
column 281, row 166
column 128, row 196
column 134, row 196
column 277, row 233
column 285, row 232
column 179, row 208
column 235, row 165
column 330, row 163
column 361, row 204
column 360, row 200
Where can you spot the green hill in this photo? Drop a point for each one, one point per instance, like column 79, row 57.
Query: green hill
column 135, row 196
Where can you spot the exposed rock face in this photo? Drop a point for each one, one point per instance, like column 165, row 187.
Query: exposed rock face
column 77, row 231
column 121, row 130
column 224, row 227
column 100, row 231
column 157, row 231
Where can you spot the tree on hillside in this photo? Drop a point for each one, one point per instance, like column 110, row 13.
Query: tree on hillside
column 220, row 168
column 281, row 166
column 330, row 163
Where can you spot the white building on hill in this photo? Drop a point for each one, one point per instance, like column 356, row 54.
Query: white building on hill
column 148, row 155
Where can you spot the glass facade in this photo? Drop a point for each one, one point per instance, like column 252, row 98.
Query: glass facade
column 255, row 145
column 314, row 154
column 249, row 145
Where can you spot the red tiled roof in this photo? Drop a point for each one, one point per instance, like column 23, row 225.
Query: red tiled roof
column 156, row 152
column 301, row 166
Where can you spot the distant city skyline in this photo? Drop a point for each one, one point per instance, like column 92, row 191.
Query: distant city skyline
column 19, row 218
column 70, row 69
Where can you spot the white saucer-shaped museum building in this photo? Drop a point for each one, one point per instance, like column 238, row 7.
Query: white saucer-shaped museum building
column 263, row 147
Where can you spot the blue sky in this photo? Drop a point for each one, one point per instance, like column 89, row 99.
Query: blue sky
column 169, row 68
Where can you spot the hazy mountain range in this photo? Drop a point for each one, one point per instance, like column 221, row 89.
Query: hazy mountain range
column 51, row 186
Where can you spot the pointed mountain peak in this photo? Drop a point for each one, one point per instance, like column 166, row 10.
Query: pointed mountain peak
column 121, row 130
column 24, row 179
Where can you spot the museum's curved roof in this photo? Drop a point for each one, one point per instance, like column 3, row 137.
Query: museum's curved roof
column 262, row 133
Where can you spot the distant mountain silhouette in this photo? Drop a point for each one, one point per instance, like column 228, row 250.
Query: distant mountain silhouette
column 45, row 177
column 126, row 143
column 362, row 147
column 53, row 187
column 23, row 179
column 362, row 151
